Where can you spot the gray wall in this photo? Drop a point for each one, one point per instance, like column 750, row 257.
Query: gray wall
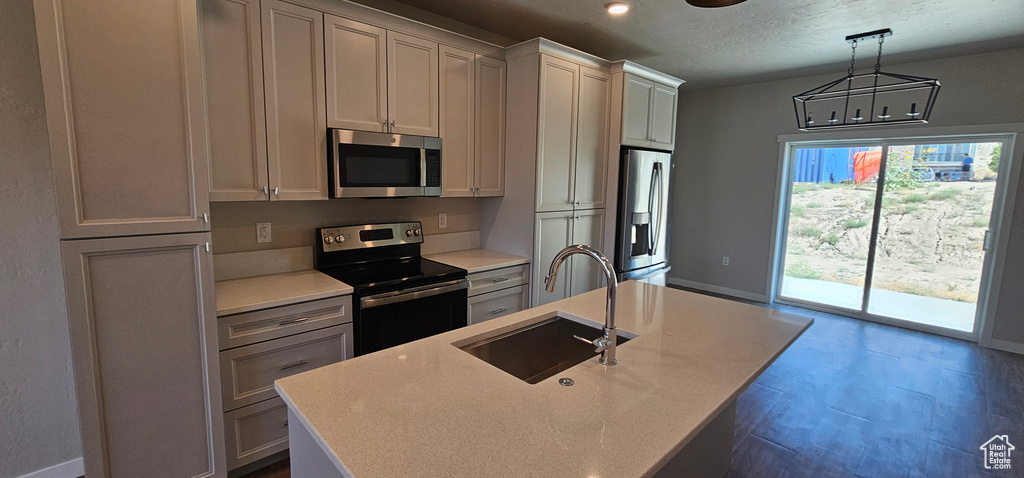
column 727, row 161
column 38, row 417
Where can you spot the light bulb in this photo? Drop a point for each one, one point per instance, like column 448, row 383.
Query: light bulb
column 617, row 8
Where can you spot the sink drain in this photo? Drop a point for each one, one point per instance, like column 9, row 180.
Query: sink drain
column 565, row 382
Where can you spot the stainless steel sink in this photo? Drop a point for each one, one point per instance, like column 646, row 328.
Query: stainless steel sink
column 539, row 350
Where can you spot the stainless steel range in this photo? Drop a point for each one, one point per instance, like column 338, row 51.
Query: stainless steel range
column 399, row 296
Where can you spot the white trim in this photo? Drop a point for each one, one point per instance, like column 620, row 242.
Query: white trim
column 884, row 134
column 68, row 469
column 741, row 294
column 548, row 47
column 649, row 73
column 1007, row 346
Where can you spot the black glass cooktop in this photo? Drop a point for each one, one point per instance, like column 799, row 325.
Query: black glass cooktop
column 385, row 276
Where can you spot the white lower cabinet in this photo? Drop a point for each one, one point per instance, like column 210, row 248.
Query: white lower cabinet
column 555, row 231
column 262, row 346
column 256, row 431
column 484, row 307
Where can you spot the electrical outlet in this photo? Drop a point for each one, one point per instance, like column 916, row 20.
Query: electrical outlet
column 262, row 232
column 725, row 261
column 442, row 220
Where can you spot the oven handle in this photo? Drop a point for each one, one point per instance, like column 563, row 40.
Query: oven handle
column 412, row 294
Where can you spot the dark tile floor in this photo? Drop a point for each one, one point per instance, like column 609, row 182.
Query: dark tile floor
column 858, row 399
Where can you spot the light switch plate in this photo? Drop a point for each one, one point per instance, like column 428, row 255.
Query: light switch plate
column 262, row 232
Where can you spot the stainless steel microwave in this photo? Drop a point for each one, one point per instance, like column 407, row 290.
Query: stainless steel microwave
column 380, row 165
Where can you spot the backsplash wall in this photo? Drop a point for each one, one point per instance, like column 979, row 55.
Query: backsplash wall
column 233, row 224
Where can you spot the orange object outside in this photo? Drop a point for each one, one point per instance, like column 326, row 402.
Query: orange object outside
column 865, row 165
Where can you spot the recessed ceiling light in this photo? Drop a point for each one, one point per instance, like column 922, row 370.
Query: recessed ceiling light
column 617, row 7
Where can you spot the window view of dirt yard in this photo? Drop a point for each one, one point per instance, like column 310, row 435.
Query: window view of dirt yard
column 936, row 206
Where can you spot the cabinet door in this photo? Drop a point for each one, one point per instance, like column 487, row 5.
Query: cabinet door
column 592, row 139
column 490, row 126
column 587, row 229
column 663, row 116
column 484, row 307
column 457, row 110
column 556, row 134
column 412, row 85
column 293, row 54
column 142, row 315
column 552, row 233
column 357, row 75
column 636, row 111
column 233, row 65
column 124, row 110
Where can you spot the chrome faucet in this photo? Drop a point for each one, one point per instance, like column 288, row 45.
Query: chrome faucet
column 606, row 343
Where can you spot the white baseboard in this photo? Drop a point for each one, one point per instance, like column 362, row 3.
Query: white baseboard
column 1007, row 346
column 719, row 290
column 70, row 469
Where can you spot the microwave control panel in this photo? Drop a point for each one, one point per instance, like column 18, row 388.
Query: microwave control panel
column 433, row 176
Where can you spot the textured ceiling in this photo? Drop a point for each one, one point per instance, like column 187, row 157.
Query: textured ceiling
column 753, row 41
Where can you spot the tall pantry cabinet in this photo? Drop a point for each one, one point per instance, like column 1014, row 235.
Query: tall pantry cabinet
column 127, row 123
column 557, row 147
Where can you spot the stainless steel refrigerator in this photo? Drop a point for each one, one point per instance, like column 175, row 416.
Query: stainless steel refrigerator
column 642, row 227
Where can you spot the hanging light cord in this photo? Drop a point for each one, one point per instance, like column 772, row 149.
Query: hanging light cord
column 853, row 57
column 878, row 62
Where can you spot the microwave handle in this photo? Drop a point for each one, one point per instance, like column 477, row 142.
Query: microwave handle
column 423, row 167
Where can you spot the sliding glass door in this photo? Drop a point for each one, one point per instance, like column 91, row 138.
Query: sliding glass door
column 893, row 231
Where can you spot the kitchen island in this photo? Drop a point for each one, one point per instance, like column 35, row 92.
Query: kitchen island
column 430, row 409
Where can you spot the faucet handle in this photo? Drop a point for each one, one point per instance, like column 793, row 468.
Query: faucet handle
column 599, row 343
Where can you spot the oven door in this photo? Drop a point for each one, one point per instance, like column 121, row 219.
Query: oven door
column 370, row 165
column 394, row 318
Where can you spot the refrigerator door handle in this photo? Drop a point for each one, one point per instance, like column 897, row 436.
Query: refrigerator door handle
column 656, row 177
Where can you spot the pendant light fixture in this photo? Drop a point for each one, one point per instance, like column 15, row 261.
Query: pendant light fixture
column 713, row 3
column 868, row 99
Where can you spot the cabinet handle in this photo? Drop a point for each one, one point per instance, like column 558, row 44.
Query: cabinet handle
column 294, row 364
column 496, row 312
column 276, row 189
column 499, row 279
column 392, row 125
column 207, row 246
column 293, row 321
column 206, row 217
column 266, row 191
column 284, row 425
column 384, row 126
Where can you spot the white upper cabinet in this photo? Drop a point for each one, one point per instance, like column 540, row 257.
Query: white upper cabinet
column 592, row 139
column 293, row 75
column 472, row 123
column 663, row 116
column 357, row 70
column 457, row 124
column 125, row 114
column 648, row 113
column 556, row 134
column 412, row 85
column 636, row 111
column 233, row 66
column 490, row 126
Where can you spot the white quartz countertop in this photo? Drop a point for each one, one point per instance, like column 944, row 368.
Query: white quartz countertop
column 478, row 260
column 254, row 293
column 427, row 408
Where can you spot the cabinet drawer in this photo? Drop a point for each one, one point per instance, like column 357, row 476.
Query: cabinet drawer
column 261, row 325
column 492, row 305
column 256, row 431
column 248, row 373
column 497, row 279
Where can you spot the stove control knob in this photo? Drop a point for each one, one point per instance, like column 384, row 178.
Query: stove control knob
column 408, row 233
column 416, row 232
column 339, row 238
column 328, row 240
